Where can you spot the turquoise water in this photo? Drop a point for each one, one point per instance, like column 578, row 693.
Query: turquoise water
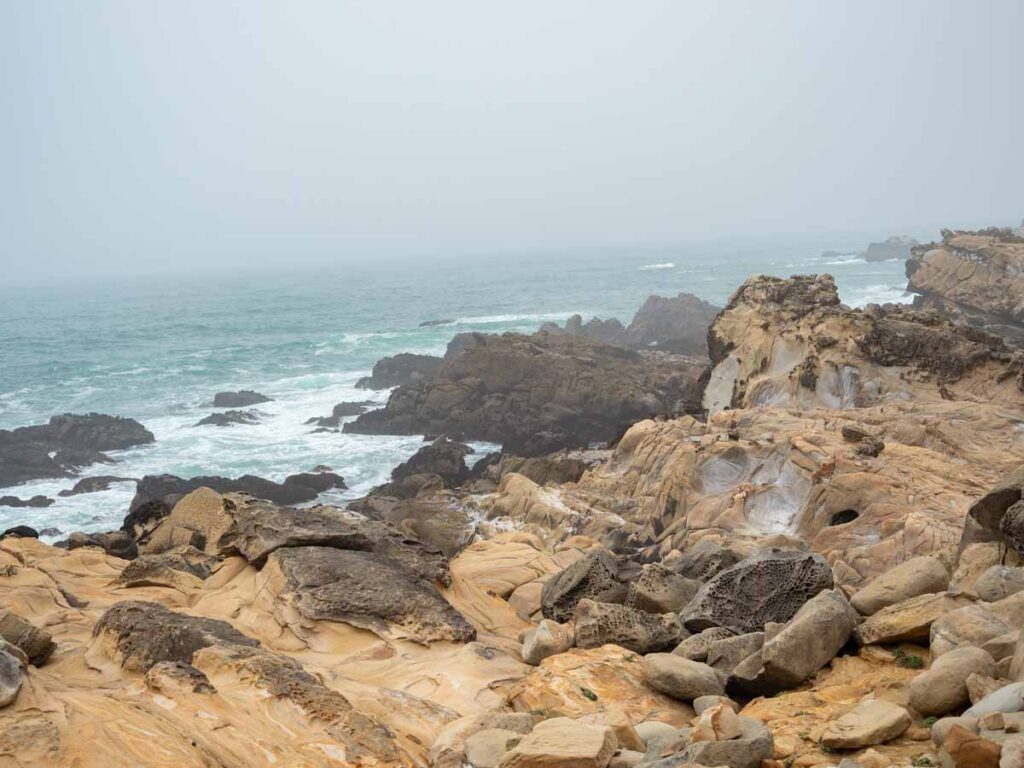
column 158, row 349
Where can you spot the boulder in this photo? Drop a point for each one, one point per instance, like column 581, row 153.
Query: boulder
column 998, row 582
column 114, row 543
column 941, row 727
column 942, row 688
column 399, row 369
column 546, row 640
column 20, row 532
column 599, row 624
column 444, row 458
column 563, row 742
column 229, row 419
column 660, row 590
column 917, row 576
column 1012, row 527
column 967, row 749
column 769, row 586
column 725, row 655
column 754, row 744
column 1007, row 698
column 593, row 577
column 95, row 484
column 37, row 502
column 243, row 398
column 696, row 647
column 681, row 678
column 970, row 625
column 11, row 676
column 718, row 722
column 37, row 644
column 909, row 621
column 484, row 749
column 875, row 721
column 704, row 560
column 366, row 590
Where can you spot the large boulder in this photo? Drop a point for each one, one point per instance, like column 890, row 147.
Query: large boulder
column 599, row 624
column 399, row 369
column 560, row 741
column 548, row 639
column 908, row 621
column 872, row 722
column 769, row 586
column 11, row 675
column 753, row 745
column 942, row 688
column 537, row 394
column 998, row 582
column 443, row 458
column 682, row 678
column 917, row 576
column 661, row 590
column 593, row 577
column 36, row 643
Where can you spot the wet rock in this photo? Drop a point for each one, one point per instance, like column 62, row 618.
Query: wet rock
column 368, row 591
column 681, row 678
column 243, row 398
column 943, row 687
column 342, row 411
column 400, row 369
column 917, row 576
column 143, row 633
column 95, row 484
column 660, row 590
column 872, row 722
column 444, row 458
column 229, row 419
column 21, row 532
column 318, row 481
column 560, row 741
column 36, row 501
column 769, row 586
column 599, row 624
column 546, row 640
column 36, row 643
column 435, row 323
column 593, row 577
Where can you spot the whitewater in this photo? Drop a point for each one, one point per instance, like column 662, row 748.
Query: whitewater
column 158, row 350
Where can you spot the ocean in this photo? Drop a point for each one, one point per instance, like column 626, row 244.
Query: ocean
column 158, row 349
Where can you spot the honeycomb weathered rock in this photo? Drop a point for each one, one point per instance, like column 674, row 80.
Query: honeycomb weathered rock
column 594, row 577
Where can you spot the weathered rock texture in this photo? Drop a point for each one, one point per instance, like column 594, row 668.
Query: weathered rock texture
column 535, row 394
column 973, row 277
column 400, row 369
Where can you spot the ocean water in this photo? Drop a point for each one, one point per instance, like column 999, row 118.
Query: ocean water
column 157, row 349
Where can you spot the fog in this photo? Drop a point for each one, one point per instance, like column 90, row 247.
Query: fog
column 186, row 135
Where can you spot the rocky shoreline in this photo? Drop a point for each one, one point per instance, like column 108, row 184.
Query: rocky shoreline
column 803, row 549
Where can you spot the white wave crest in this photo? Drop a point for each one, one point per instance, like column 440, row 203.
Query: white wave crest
column 663, row 265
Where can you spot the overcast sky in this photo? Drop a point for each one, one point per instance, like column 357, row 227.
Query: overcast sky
column 140, row 134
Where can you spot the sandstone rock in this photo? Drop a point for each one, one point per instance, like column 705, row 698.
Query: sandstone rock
column 1012, row 527
column 716, row 723
column 908, row 621
column 977, row 624
column 10, row 677
column 941, row 727
column 1008, row 698
column 660, row 590
column 37, row 644
column 484, row 749
column 168, row 569
column 998, row 582
column 546, row 640
column 625, row 733
column 753, row 745
column 563, row 742
column 943, row 687
column 626, row 758
column 1003, row 646
column 769, row 586
column 681, row 678
column 598, row 624
column 705, row 559
column 725, row 655
column 366, row 590
column 243, row 398
column 697, row 647
column 594, row 577
column 114, row 543
column 968, row 750
column 917, row 576
column 652, row 729
column 702, row 703
column 875, row 721
column 449, row 748
column 980, row 686
column 175, row 677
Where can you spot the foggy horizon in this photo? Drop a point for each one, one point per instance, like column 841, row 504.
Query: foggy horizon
column 153, row 138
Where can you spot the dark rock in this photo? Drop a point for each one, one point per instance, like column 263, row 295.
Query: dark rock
column 559, row 467
column 95, row 484
column 400, row 369
column 985, row 517
column 171, row 676
column 598, row 624
column 114, row 543
column 21, row 532
column 895, row 248
column 593, row 577
column 229, row 419
column 35, row 501
column 367, row 590
column 241, row 399
column 537, row 394
column 444, row 458
column 67, row 442
column 434, row 323
column 677, row 324
column 341, row 411
column 703, row 560
column 51, row 532
column 318, row 481
column 147, row 633
column 434, row 520
column 660, row 590
column 1012, row 527
column 155, row 570
column 36, row 643
column 769, row 586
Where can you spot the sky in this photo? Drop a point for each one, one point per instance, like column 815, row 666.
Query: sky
column 143, row 135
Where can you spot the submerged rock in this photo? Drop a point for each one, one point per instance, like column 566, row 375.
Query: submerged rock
column 243, row 398
column 35, row 502
column 229, row 419
column 95, row 484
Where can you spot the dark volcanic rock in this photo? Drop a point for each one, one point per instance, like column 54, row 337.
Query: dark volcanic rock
column 318, row 481
column 400, row 369
column 67, row 442
column 229, row 419
column 241, row 399
column 537, row 394
column 21, row 532
column 444, row 458
column 146, row 633
column 341, row 411
column 769, row 586
column 367, row 590
column 95, row 484
column 677, row 324
column 35, row 501
column 593, row 577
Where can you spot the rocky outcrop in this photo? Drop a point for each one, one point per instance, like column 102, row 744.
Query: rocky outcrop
column 791, row 343
column 594, row 577
column 537, row 394
column 35, row 501
column 341, row 411
column 895, row 248
column 243, row 398
column 95, row 484
column 229, row 419
column 400, row 369
column 66, row 443
column 975, row 278
column 443, row 458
